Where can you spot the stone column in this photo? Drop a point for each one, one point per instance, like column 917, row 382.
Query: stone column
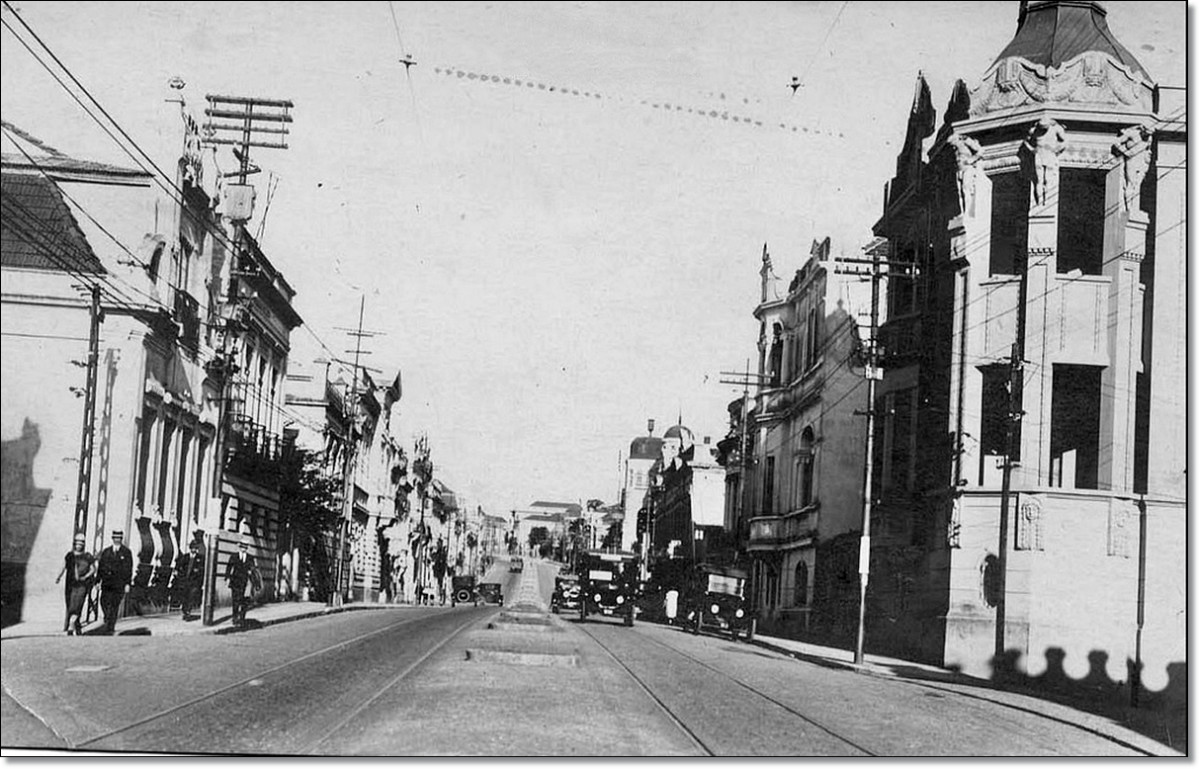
column 1124, row 248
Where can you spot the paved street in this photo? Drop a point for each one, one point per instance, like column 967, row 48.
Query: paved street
column 498, row 681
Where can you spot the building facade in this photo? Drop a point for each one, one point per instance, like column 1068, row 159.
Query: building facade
column 806, row 438
column 1043, row 216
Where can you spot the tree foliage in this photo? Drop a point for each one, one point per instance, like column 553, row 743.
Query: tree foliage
column 538, row 535
column 309, row 512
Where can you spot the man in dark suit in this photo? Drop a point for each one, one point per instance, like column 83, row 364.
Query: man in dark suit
column 238, row 573
column 116, row 573
column 190, row 576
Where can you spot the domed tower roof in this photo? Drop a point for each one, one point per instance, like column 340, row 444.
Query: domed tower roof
column 1063, row 56
column 1053, row 33
column 680, row 432
column 645, row 447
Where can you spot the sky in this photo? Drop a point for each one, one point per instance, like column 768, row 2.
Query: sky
column 549, row 266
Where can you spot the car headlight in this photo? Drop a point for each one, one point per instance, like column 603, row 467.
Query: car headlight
column 715, row 609
column 596, row 598
column 739, row 614
column 620, row 599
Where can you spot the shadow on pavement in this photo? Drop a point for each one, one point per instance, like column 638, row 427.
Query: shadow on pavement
column 1162, row 716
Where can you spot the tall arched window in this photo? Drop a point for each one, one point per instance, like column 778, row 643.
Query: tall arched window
column 776, row 360
column 806, row 467
column 801, row 584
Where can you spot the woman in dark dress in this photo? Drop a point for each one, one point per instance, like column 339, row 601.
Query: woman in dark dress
column 80, row 569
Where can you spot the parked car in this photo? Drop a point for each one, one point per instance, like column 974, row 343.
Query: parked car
column 608, row 585
column 463, row 590
column 715, row 597
column 566, row 593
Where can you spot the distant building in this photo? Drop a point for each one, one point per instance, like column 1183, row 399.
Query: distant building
column 644, row 451
column 1044, row 215
column 687, row 506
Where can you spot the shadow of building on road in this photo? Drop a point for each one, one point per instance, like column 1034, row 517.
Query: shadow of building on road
column 1160, row 714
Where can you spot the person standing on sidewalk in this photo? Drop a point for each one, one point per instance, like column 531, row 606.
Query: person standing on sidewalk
column 191, row 577
column 238, row 574
column 79, row 566
column 116, row 573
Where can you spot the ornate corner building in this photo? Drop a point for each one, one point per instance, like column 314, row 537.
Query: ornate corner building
column 1042, row 334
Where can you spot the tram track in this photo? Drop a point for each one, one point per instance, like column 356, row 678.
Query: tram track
column 658, row 701
column 270, row 677
column 678, row 720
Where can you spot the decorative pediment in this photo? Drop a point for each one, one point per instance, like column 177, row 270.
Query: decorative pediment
column 1091, row 79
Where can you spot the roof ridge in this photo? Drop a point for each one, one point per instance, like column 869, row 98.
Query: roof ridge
column 32, row 139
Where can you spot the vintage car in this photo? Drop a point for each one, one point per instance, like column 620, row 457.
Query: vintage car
column 490, row 592
column 715, row 597
column 566, row 593
column 463, row 590
column 608, row 584
column 516, row 564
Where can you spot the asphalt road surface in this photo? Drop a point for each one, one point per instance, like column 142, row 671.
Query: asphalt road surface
column 490, row 681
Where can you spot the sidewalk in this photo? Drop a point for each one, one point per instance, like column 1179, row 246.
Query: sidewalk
column 940, row 678
column 173, row 623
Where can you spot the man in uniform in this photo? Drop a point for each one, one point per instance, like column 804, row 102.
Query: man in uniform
column 116, row 573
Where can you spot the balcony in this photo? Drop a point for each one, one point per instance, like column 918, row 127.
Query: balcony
column 253, row 452
column 779, row 532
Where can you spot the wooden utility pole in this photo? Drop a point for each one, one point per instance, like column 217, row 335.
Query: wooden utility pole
column 1011, row 438
column 873, row 373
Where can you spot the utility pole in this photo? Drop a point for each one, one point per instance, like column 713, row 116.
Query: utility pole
column 872, row 373
column 87, row 440
column 350, row 408
column 250, row 114
column 744, row 380
column 1011, row 436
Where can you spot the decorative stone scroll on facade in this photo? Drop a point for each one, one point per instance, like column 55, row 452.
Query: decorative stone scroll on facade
column 1029, row 524
column 1121, row 526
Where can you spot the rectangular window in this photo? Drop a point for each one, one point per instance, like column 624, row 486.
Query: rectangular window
column 993, row 409
column 904, row 434
column 166, row 446
column 1081, row 220
column 198, row 493
column 1075, row 427
column 768, row 498
column 1010, row 223
column 182, row 479
column 145, row 447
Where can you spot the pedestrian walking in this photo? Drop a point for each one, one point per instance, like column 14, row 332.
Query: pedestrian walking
column 116, row 573
column 79, row 567
column 191, row 577
column 239, row 572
